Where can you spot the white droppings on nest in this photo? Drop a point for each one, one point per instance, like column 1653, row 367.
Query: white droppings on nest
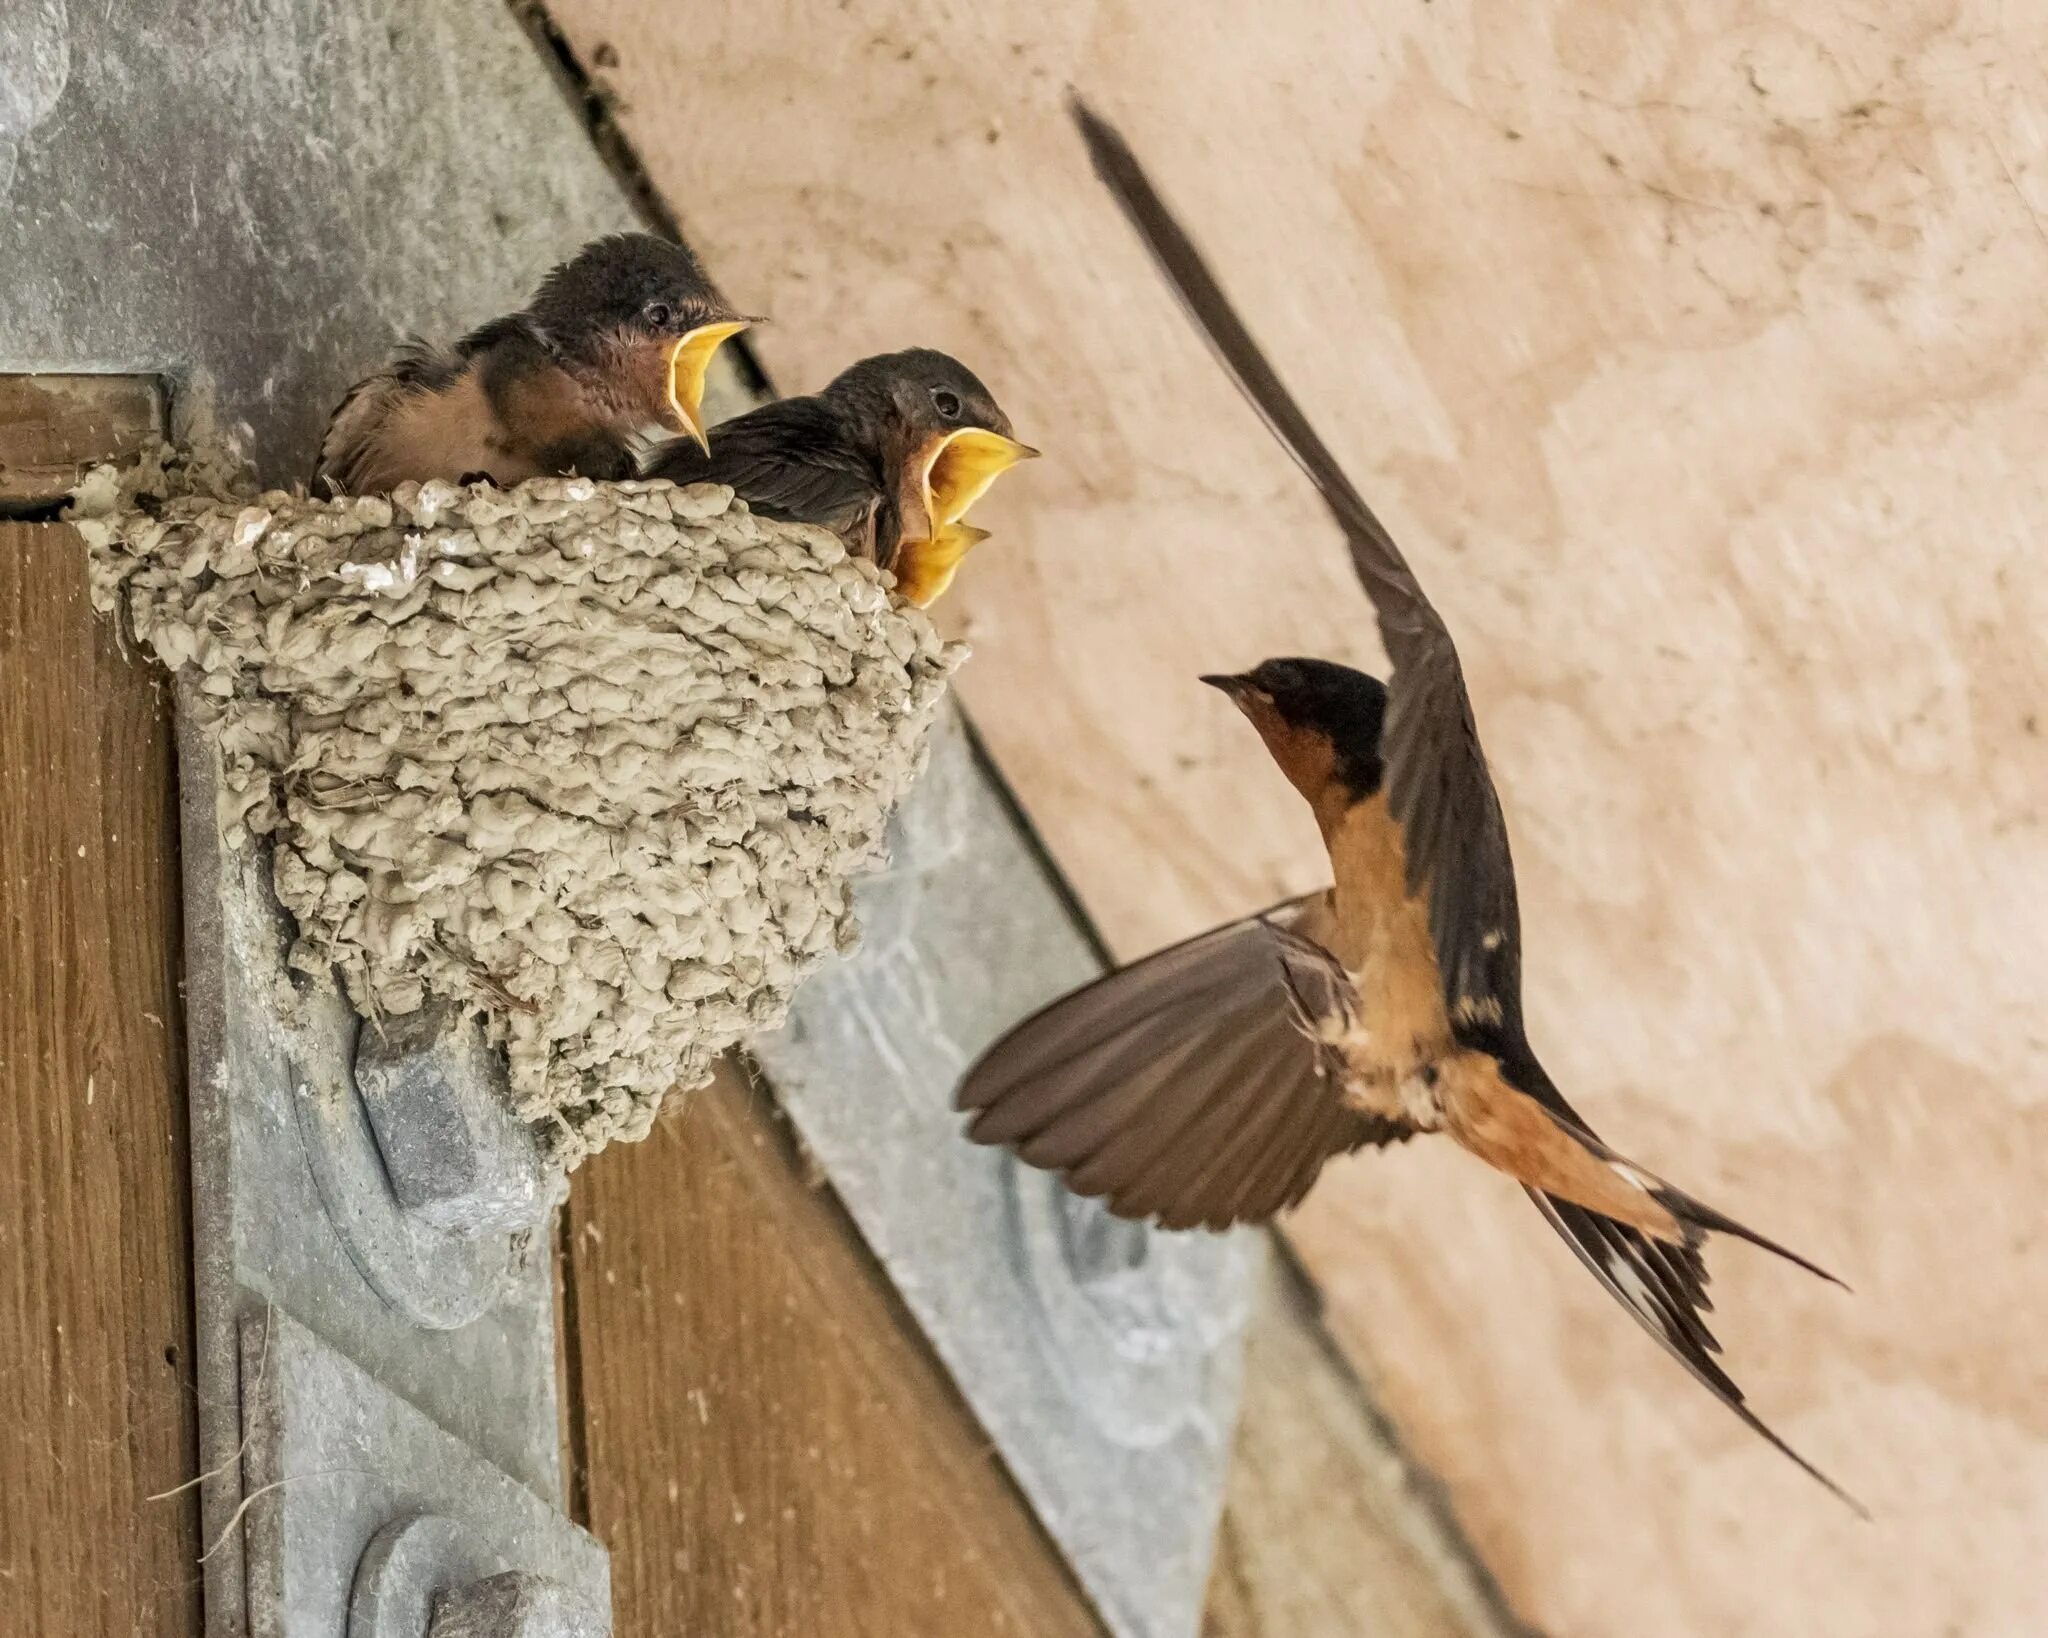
column 597, row 760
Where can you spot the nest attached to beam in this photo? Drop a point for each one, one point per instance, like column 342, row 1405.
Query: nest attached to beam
column 597, row 761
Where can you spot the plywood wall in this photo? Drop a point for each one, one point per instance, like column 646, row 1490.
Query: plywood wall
column 1695, row 351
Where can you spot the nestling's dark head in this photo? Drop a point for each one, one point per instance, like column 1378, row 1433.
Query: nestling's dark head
column 1320, row 720
column 630, row 282
column 921, row 390
column 937, row 431
column 638, row 315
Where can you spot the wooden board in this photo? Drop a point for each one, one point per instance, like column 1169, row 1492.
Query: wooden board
column 767, row 1447
column 1691, row 352
column 1327, row 1532
column 48, row 422
column 95, row 1259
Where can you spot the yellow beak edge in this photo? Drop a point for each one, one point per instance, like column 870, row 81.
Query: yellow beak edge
column 960, row 469
column 688, row 362
column 931, row 564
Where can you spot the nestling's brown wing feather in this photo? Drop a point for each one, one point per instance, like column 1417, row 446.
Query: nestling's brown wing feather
column 1438, row 786
column 346, row 442
column 417, row 366
column 1183, row 1087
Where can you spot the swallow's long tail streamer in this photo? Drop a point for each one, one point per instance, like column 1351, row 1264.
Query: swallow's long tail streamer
column 1664, row 1287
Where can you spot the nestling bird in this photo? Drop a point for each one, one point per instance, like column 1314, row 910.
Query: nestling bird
column 614, row 345
column 893, row 451
column 1210, row 1083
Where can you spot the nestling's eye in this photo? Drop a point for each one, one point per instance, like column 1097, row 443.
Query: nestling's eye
column 946, row 403
column 657, row 314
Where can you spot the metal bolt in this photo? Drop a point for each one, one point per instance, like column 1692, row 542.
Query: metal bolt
column 455, row 1154
column 516, row 1604
column 427, row 1577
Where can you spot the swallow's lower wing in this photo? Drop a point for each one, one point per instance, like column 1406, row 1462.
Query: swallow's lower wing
column 787, row 461
column 1188, row 1087
column 1437, row 782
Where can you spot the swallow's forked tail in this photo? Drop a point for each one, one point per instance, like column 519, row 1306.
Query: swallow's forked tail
column 1639, row 1235
column 1664, row 1287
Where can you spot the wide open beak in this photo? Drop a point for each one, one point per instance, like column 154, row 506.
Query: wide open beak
column 960, row 468
column 688, row 361
column 926, row 567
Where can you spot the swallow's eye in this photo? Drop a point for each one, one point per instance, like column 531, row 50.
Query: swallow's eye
column 658, row 314
column 946, row 403
column 1282, row 679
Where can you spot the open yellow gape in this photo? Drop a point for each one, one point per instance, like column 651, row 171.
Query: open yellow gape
column 957, row 474
column 688, row 362
column 925, row 568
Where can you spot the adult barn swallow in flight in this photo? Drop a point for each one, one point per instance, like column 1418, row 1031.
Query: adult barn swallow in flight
column 616, row 341
column 1209, row 1084
column 889, row 456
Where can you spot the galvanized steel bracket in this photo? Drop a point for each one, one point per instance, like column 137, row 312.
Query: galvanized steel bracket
column 373, row 1234
column 1102, row 1356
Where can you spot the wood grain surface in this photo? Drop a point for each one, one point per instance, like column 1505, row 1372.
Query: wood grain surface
column 95, row 1259
column 1328, row 1532
column 1692, row 351
column 48, row 423
column 768, row 1448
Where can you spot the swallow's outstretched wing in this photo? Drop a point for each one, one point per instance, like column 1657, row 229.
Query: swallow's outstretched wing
column 1437, row 782
column 1191, row 1087
column 788, row 460
column 1440, row 791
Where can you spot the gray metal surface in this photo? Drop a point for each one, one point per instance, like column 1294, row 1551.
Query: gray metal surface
column 408, row 1564
column 1102, row 1357
column 516, row 1604
column 434, row 1187
column 271, row 1089
column 454, row 1154
column 333, row 1459
column 258, row 198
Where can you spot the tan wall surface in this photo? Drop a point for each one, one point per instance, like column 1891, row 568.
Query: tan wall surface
column 1695, row 351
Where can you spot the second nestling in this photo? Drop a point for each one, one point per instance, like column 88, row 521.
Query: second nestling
column 889, row 457
column 612, row 352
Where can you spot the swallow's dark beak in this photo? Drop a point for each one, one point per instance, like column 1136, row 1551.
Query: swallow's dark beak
column 1235, row 687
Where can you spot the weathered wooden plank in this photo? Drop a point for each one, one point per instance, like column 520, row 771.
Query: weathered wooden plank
column 95, row 1262
column 1328, row 1532
column 769, row 1446
column 47, row 420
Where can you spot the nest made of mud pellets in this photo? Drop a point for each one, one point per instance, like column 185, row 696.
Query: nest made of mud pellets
column 598, row 761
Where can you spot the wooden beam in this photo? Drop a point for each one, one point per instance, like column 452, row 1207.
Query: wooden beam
column 768, row 1445
column 95, row 1264
column 51, row 424
column 1328, row 1531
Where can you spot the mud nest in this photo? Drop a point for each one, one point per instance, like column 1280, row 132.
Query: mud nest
column 599, row 762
